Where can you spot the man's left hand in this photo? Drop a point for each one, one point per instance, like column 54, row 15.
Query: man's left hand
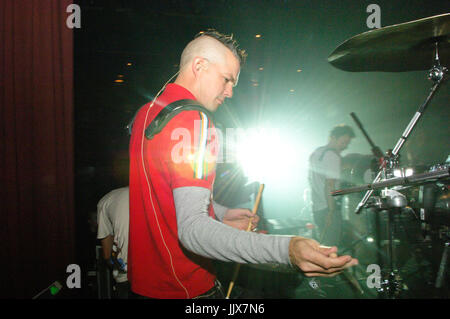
column 240, row 218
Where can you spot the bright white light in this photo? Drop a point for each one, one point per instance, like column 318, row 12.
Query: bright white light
column 370, row 239
column 265, row 154
column 403, row 172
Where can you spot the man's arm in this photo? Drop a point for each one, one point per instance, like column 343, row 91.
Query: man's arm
column 207, row 237
column 333, row 173
column 219, row 210
column 105, row 227
column 235, row 217
column 107, row 244
column 330, row 187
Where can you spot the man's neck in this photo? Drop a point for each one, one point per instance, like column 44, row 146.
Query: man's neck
column 184, row 81
column 333, row 147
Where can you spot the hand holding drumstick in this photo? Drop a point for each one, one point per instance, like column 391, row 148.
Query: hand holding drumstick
column 249, row 227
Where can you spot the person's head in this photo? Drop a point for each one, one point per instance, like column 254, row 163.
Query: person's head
column 340, row 137
column 210, row 66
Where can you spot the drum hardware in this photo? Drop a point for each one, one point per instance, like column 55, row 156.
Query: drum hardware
column 363, row 234
column 440, row 204
column 440, row 278
column 428, row 177
column 391, row 201
column 390, row 162
column 403, row 47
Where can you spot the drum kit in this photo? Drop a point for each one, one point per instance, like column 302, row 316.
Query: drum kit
column 390, row 190
column 413, row 46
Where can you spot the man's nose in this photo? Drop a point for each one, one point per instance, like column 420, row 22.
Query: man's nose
column 228, row 90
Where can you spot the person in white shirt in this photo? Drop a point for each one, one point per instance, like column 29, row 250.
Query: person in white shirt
column 324, row 177
column 113, row 222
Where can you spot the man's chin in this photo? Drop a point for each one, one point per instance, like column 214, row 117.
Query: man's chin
column 212, row 107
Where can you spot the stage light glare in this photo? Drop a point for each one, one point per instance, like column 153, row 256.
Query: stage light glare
column 370, row 239
column 265, row 154
column 403, row 172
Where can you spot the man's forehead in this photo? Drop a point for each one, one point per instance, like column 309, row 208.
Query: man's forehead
column 236, row 79
column 233, row 67
column 345, row 137
column 233, row 77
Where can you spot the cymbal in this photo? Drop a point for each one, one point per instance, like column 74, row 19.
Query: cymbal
column 402, row 47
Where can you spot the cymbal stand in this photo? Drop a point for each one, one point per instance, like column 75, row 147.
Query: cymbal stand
column 393, row 202
column 437, row 74
column 441, row 276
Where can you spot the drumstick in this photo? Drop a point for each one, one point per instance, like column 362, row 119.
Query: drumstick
column 255, row 206
column 238, row 266
column 349, row 277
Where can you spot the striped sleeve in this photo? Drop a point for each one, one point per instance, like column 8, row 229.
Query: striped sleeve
column 200, row 164
column 193, row 150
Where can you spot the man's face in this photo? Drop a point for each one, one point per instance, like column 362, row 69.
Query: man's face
column 342, row 142
column 218, row 80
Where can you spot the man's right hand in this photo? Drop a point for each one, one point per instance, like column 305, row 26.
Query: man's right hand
column 315, row 260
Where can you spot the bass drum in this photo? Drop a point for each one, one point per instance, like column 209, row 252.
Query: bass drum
column 359, row 229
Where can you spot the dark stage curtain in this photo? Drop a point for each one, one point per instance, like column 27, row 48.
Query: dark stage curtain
column 36, row 146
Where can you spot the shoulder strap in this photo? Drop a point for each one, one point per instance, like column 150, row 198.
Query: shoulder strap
column 167, row 113
column 326, row 150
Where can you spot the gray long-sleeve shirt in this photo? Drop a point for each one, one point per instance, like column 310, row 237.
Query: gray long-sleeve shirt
column 205, row 236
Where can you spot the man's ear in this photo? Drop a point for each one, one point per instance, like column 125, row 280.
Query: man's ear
column 198, row 64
